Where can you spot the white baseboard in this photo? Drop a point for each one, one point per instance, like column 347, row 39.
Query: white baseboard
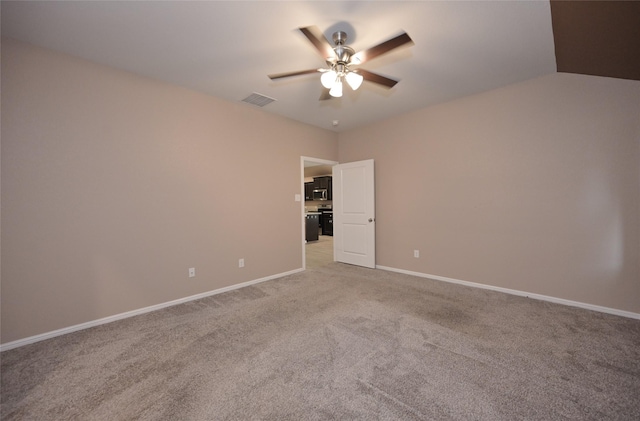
column 541, row 297
column 93, row 323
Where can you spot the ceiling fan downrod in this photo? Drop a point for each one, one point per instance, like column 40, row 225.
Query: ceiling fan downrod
column 343, row 52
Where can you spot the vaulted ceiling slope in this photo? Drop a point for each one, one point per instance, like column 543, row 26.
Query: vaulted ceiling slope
column 600, row 38
column 227, row 48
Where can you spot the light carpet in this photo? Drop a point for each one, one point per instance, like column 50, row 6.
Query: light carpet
column 337, row 342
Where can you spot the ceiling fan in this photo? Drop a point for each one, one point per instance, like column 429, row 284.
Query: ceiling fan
column 340, row 60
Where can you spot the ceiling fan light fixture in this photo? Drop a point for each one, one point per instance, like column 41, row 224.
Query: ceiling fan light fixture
column 354, row 80
column 328, row 79
column 339, row 58
column 336, row 89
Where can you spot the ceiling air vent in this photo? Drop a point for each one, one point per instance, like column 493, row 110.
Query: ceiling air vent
column 258, row 100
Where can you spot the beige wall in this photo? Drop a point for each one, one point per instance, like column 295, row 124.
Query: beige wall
column 113, row 185
column 533, row 187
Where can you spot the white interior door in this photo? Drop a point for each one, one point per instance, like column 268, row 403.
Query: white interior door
column 354, row 228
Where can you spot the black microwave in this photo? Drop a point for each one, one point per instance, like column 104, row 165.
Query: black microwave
column 320, row 194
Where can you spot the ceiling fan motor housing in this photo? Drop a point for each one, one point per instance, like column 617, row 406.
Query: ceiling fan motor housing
column 343, row 52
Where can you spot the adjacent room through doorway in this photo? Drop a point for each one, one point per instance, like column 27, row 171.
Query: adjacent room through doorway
column 317, row 212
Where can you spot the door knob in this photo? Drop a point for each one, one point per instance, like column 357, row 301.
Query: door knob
column 370, row 219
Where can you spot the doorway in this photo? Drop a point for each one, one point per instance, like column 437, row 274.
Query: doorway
column 316, row 253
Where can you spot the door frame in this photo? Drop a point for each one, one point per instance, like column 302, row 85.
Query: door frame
column 303, row 160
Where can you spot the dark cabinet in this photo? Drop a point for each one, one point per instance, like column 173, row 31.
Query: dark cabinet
column 308, row 190
column 327, row 223
column 312, row 226
column 321, row 182
column 324, row 183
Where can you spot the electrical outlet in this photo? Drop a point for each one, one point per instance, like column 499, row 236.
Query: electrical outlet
column 192, row 272
column 416, row 253
column 240, row 263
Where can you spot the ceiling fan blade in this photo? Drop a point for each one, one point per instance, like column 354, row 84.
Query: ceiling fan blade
column 288, row 74
column 382, row 48
column 376, row 78
column 319, row 41
column 325, row 94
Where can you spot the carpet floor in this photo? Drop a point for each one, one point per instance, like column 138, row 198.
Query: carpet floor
column 336, row 342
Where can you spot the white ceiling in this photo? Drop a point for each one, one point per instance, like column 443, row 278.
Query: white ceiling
column 226, row 49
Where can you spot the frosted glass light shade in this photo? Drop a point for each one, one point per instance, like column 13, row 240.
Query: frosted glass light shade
column 328, row 78
column 336, row 90
column 354, row 80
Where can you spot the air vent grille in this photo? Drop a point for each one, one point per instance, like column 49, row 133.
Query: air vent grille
column 258, row 100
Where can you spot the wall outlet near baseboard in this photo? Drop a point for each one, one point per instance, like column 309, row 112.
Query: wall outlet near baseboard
column 240, row 263
column 416, row 253
column 192, row 272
